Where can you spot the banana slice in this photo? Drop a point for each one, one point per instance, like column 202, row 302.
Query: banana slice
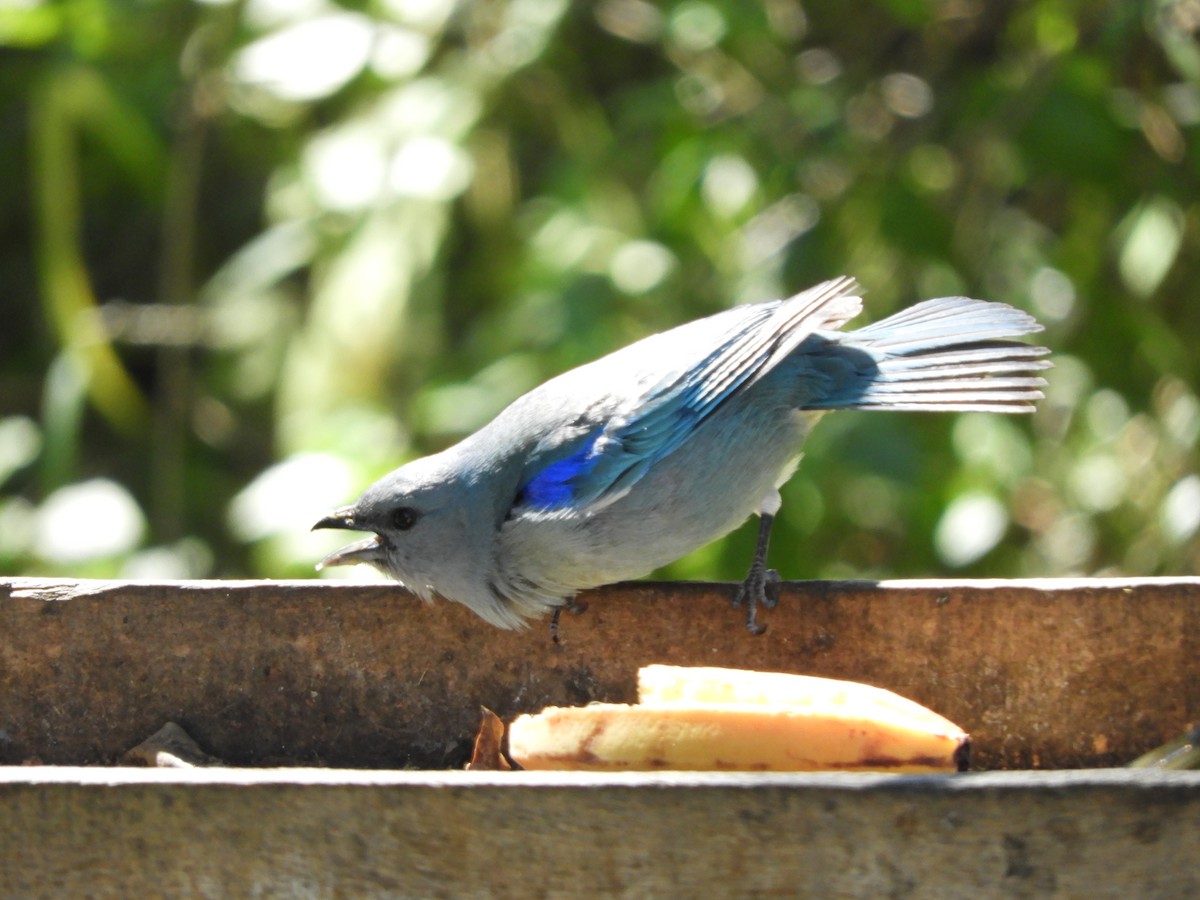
column 709, row 685
column 728, row 719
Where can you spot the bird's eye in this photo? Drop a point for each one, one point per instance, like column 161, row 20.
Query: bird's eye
column 404, row 518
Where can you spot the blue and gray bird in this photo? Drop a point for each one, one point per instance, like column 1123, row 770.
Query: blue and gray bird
column 625, row 464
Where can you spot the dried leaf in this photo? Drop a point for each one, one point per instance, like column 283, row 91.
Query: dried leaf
column 488, row 754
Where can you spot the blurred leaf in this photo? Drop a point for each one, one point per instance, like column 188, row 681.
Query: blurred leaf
column 69, row 102
column 1150, row 238
column 29, row 25
column 405, row 219
column 1070, row 132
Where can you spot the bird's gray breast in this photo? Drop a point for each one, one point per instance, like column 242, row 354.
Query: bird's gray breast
column 701, row 491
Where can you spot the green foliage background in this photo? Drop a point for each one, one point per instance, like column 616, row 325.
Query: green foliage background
column 255, row 254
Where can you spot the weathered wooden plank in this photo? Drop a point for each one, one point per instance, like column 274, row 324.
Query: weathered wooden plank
column 1053, row 674
column 323, row 833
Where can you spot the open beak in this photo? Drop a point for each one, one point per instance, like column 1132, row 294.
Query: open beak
column 368, row 550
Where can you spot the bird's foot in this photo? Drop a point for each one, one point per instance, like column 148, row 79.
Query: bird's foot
column 761, row 588
column 574, row 606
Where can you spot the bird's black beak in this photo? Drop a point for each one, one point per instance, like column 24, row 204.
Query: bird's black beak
column 368, row 550
column 342, row 518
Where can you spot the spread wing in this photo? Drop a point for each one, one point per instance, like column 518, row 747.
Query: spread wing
column 608, row 455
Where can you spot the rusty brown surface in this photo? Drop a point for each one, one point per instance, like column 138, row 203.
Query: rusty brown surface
column 1053, row 674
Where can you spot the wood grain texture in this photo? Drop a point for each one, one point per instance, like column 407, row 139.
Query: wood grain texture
column 323, row 833
column 1044, row 674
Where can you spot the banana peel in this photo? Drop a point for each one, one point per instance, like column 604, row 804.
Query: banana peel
column 704, row 719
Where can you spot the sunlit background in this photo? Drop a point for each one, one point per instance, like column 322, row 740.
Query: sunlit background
column 256, row 254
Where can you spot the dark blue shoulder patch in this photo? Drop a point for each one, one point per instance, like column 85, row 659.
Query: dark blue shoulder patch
column 553, row 487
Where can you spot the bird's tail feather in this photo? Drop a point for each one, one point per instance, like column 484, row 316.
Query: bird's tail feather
column 949, row 354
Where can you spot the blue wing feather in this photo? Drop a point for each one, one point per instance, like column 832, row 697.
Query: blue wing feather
column 556, row 485
column 952, row 353
column 617, row 453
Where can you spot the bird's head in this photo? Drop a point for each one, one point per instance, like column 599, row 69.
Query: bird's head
column 421, row 528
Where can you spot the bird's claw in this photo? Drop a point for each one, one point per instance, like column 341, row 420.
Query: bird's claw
column 761, row 588
column 574, row 606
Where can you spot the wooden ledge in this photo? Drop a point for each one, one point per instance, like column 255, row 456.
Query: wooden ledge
column 1052, row 674
column 1044, row 674
column 312, row 832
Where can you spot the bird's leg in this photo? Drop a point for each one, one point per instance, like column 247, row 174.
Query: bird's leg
column 574, row 606
column 761, row 586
